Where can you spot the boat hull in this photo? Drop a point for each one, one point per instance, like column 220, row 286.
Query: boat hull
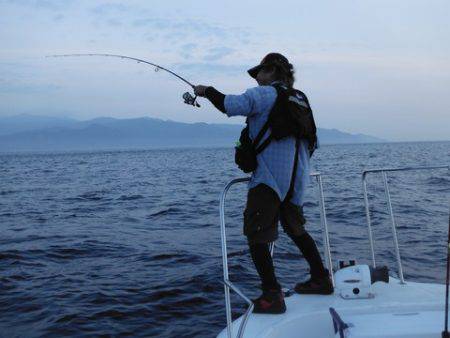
column 396, row 310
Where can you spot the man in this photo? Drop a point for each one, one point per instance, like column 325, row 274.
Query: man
column 276, row 190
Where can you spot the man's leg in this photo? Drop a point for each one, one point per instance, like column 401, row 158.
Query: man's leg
column 260, row 227
column 308, row 248
column 264, row 265
column 293, row 223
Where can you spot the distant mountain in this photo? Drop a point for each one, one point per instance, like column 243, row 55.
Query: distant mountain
column 26, row 122
column 33, row 133
column 334, row 136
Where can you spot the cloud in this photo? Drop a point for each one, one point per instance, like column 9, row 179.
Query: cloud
column 217, row 53
column 58, row 18
column 201, row 28
column 52, row 5
column 184, row 27
column 212, row 68
column 109, row 8
column 7, row 87
column 152, row 22
column 187, row 49
column 114, row 22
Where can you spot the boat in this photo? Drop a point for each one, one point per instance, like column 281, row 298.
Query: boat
column 368, row 301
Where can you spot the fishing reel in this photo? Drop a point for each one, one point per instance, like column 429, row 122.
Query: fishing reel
column 191, row 100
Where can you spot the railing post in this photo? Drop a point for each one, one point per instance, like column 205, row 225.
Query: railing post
column 323, row 218
column 225, row 259
column 271, row 248
column 226, row 280
column 369, row 225
column 394, row 228
column 228, row 310
column 390, row 209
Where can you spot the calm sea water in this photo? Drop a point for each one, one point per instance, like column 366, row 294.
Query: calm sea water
column 127, row 243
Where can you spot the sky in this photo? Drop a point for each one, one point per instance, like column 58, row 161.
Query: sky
column 378, row 67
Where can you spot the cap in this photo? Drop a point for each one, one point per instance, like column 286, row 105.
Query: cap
column 268, row 60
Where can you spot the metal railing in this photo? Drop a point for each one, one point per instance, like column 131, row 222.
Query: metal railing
column 383, row 172
column 229, row 285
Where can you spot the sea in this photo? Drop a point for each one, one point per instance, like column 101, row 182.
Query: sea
column 127, row 243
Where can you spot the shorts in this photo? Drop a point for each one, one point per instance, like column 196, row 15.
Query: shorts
column 263, row 211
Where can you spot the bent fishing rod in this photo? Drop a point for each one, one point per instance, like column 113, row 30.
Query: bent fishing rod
column 187, row 97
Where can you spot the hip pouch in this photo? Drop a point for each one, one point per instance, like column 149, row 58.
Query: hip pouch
column 245, row 153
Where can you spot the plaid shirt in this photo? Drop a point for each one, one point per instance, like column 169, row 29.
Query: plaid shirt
column 275, row 163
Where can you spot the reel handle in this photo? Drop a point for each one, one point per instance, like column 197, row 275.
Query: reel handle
column 190, row 100
column 196, row 104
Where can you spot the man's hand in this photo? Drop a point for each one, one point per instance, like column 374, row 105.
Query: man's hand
column 200, row 90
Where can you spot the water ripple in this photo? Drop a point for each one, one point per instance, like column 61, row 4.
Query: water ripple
column 128, row 243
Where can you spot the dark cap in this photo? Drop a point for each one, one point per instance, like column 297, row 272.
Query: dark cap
column 270, row 60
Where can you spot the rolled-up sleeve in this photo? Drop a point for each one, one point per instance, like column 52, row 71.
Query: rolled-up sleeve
column 253, row 101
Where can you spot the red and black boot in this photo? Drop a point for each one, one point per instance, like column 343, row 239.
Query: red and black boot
column 270, row 302
column 316, row 286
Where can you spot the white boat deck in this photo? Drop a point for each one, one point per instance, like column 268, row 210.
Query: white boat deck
column 397, row 310
column 413, row 310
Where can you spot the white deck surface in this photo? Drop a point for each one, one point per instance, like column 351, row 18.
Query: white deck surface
column 409, row 310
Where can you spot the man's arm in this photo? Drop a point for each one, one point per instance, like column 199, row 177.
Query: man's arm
column 213, row 95
column 253, row 101
column 216, row 98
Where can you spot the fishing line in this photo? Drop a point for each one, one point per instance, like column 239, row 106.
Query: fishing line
column 188, row 98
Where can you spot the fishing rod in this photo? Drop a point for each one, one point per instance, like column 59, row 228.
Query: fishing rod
column 187, row 97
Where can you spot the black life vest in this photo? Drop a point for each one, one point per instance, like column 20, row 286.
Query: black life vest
column 291, row 116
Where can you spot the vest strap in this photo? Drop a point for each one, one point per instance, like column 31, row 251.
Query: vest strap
column 264, row 144
column 290, row 192
column 261, row 134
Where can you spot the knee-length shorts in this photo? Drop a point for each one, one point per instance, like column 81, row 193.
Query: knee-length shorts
column 263, row 212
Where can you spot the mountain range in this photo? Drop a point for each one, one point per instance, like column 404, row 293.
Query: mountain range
column 41, row 133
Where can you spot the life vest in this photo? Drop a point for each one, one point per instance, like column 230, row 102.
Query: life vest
column 291, row 116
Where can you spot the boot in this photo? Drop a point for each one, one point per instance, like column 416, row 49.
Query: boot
column 271, row 301
column 316, row 286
